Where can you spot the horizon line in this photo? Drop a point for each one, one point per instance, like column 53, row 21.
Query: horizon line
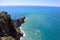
column 32, row 5
column 27, row 5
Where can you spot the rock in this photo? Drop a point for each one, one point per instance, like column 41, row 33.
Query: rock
column 10, row 26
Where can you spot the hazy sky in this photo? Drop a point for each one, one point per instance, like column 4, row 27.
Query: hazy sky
column 31, row 2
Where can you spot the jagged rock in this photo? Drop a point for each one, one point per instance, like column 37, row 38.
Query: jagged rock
column 10, row 27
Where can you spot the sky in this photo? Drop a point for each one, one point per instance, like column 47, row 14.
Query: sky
column 30, row 2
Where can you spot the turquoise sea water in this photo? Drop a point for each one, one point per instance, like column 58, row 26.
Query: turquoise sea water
column 42, row 23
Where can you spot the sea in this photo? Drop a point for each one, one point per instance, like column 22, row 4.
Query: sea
column 41, row 23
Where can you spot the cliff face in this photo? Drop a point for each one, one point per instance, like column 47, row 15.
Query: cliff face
column 10, row 27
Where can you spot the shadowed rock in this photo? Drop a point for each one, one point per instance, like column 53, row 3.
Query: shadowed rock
column 10, row 27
